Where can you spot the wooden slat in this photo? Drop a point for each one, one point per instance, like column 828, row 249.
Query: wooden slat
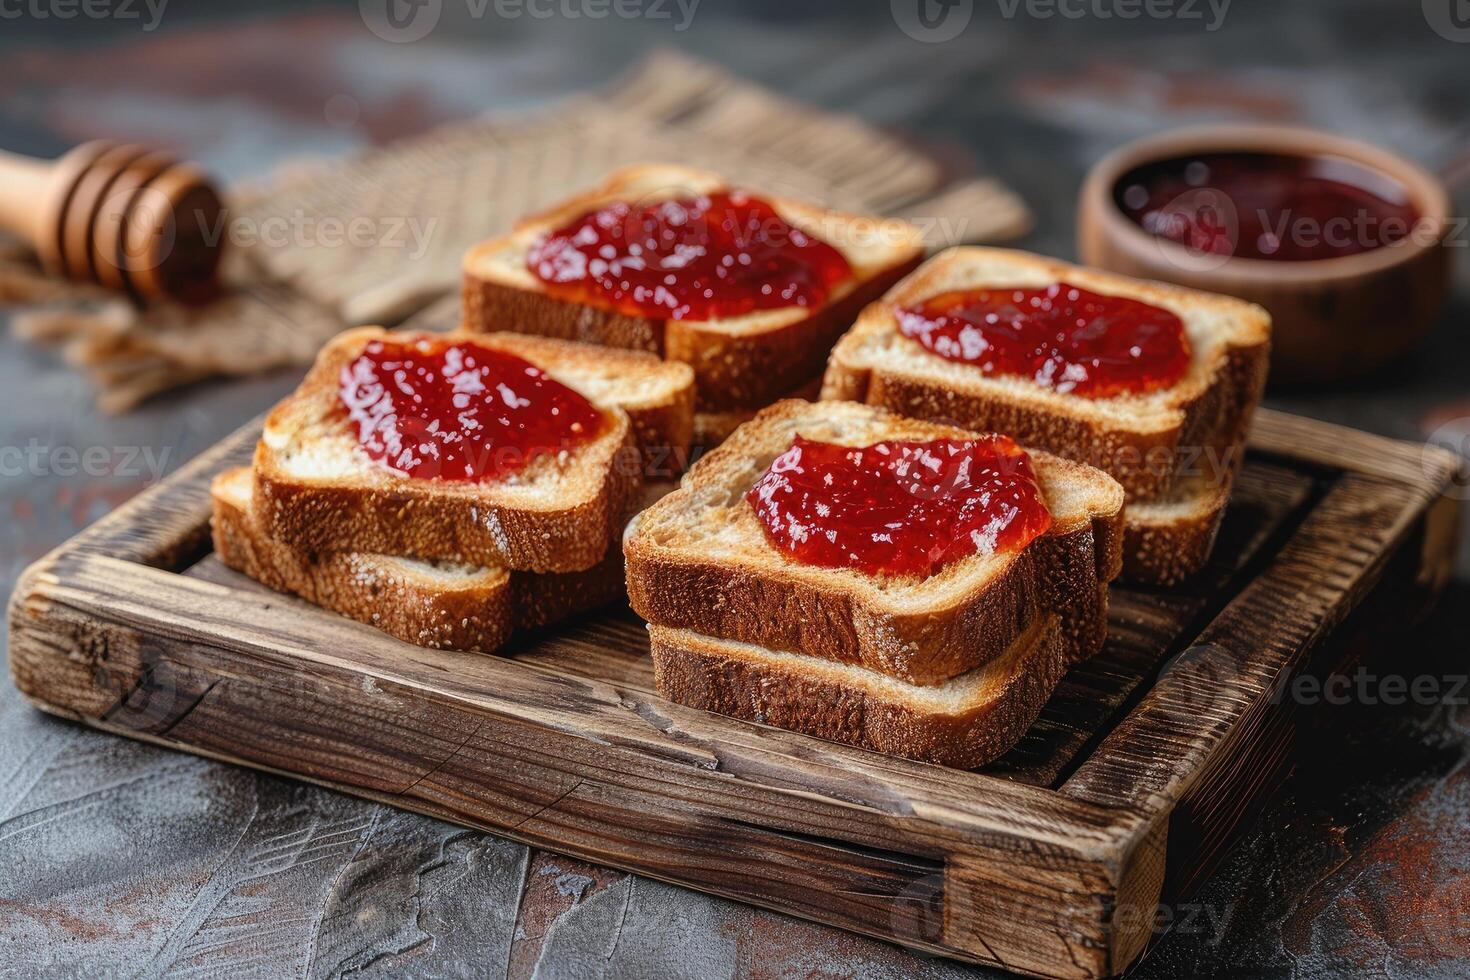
column 1427, row 468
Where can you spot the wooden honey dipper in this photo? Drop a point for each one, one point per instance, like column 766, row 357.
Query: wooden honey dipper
column 120, row 215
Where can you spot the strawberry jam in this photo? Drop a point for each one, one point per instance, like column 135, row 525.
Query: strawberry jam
column 900, row 508
column 1267, row 206
column 702, row 258
column 432, row 410
column 1063, row 337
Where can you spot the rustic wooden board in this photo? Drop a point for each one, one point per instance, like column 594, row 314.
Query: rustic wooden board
column 1140, row 769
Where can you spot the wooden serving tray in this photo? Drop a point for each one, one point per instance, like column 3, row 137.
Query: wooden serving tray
column 1049, row 862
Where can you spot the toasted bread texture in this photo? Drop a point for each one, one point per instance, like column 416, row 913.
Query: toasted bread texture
column 1141, row 440
column 443, row 605
column 965, row 722
column 699, row 560
column 740, row 363
column 316, row 490
column 1165, row 541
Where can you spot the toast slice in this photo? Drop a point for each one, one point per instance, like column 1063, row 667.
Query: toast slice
column 1141, row 440
column 443, row 605
column 699, row 560
column 316, row 490
column 740, row 363
column 1165, row 541
column 965, row 722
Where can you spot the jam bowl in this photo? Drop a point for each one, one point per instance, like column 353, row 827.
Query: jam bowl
column 1342, row 242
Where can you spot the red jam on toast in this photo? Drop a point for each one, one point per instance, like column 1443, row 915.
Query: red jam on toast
column 900, row 507
column 1063, row 337
column 709, row 257
column 458, row 411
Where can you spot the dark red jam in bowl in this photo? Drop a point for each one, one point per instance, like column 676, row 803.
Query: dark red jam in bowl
column 709, row 257
column 900, row 508
column 1268, row 206
column 435, row 410
column 1063, row 337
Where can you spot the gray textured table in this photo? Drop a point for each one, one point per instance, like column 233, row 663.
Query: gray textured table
column 120, row 859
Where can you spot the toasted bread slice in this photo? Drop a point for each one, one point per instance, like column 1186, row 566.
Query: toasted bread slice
column 699, row 560
column 743, row 362
column 1167, row 540
column 316, row 490
column 965, row 722
column 443, row 605
column 1140, row 439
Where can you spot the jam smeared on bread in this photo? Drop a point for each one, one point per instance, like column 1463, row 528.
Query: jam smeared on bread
column 1268, row 206
column 1063, row 337
column 900, row 507
column 710, row 257
column 459, row 411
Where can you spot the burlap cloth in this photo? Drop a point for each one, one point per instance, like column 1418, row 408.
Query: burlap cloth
column 377, row 238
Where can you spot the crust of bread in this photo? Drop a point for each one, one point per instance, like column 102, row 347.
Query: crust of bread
column 1165, row 542
column 1084, row 623
column 1140, row 440
column 1168, row 554
column 491, row 306
column 984, row 712
column 743, row 363
column 726, row 580
column 466, row 608
column 558, row 515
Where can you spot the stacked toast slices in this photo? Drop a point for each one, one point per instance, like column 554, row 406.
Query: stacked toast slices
column 443, row 564
column 1176, row 451
column 741, row 363
column 950, row 668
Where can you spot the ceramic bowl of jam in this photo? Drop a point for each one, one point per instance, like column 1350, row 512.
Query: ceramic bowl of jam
column 1343, row 242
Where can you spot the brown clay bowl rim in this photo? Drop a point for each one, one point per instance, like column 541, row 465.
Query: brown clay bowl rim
column 1427, row 192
